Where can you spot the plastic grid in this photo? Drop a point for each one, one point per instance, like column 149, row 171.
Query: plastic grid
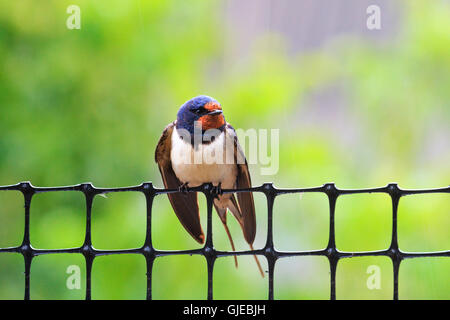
column 208, row 250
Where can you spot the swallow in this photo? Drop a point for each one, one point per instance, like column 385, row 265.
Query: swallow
column 201, row 147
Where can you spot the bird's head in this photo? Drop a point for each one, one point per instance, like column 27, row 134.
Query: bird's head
column 201, row 110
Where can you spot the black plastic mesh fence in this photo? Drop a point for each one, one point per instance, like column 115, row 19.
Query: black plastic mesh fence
column 208, row 250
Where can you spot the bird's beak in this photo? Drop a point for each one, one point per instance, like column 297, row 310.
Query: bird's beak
column 214, row 112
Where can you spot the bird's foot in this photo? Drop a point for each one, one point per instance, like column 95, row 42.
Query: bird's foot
column 184, row 188
column 216, row 191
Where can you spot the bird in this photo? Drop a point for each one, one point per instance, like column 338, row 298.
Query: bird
column 201, row 147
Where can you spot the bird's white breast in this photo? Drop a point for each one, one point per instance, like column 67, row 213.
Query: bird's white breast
column 206, row 163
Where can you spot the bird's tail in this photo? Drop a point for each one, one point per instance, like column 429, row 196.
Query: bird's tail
column 234, row 208
column 257, row 261
column 223, row 217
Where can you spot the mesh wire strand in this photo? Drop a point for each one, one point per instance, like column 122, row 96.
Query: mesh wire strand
column 208, row 250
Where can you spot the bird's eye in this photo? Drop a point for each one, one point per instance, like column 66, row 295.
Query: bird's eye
column 198, row 111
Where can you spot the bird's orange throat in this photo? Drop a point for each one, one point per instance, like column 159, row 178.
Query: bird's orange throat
column 212, row 121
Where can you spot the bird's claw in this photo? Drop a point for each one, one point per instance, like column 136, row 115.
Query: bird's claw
column 217, row 191
column 183, row 188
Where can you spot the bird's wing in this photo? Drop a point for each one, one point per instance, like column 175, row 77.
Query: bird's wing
column 184, row 205
column 243, row 181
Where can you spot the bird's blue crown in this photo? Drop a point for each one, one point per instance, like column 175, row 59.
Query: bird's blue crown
column 194, row 109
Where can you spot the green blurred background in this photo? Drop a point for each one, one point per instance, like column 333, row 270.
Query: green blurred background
column 358, row 107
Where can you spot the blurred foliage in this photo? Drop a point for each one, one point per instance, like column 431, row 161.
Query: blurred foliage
column 90, row 104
